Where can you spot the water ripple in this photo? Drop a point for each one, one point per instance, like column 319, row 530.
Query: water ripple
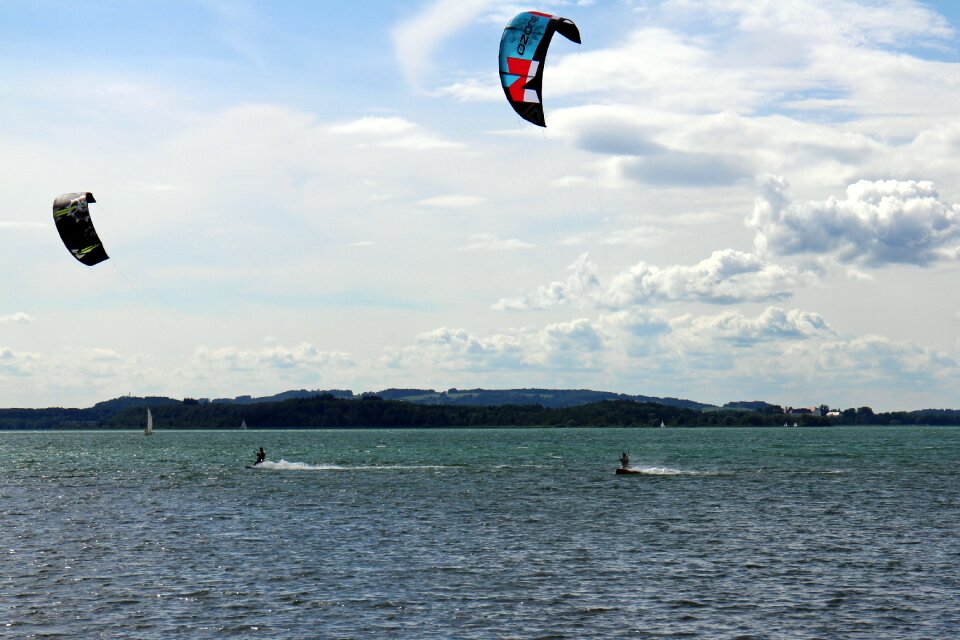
column 481, row 534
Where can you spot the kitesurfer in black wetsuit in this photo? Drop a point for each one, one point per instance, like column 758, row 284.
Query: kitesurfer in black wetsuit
column 261, row 456
column 624, row 460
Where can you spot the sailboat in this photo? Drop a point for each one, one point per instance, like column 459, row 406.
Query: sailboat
column 243, row 424
column 662, row 425
column 149, row 429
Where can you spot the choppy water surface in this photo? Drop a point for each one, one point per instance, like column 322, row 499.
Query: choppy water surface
column 513, row 533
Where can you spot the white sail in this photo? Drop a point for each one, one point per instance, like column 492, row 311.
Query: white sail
column 149, row 430
column 243, row 424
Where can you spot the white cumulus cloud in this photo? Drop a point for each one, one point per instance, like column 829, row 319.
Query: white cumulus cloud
column 877, row 223
column 726, row 277
column 581, row 285
column 19, row 318
column 773, row 323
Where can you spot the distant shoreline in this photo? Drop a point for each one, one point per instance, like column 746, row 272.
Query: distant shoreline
column 136, row 430
column 372, row 412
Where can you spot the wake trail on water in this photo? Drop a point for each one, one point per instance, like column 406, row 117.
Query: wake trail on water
column 662, row 471
column 283, row 465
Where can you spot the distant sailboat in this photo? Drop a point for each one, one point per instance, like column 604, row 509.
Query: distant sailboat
column 149, row 430
column 662, row 425
column 243, row 424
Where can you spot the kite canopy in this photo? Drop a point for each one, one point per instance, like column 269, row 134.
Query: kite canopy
column 71, row 214
column 523, row 50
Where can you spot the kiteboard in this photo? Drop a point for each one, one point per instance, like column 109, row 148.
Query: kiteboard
column 621, row 471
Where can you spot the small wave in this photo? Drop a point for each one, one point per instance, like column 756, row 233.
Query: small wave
column 522, row 466
column 687, row 604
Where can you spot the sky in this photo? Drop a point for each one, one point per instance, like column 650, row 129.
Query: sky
column 732, row 200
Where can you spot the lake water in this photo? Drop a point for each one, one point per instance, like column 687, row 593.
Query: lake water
column 486, row 533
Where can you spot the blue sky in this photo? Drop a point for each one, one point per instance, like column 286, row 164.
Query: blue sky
column 733, row 200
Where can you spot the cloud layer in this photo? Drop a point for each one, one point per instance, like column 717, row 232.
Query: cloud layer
column 366, row 196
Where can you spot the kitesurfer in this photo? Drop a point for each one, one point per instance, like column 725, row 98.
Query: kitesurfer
column 624, row 460
column 261, row 456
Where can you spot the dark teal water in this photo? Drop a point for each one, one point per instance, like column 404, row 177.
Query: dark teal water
column 527, row 533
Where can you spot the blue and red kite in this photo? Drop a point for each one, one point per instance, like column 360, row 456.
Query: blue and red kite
column 523, row 49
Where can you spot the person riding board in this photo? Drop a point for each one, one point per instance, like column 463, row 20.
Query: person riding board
column 624, row 460
column 261, row 456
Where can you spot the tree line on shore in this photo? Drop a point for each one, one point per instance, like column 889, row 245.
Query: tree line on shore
column 328, row 412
